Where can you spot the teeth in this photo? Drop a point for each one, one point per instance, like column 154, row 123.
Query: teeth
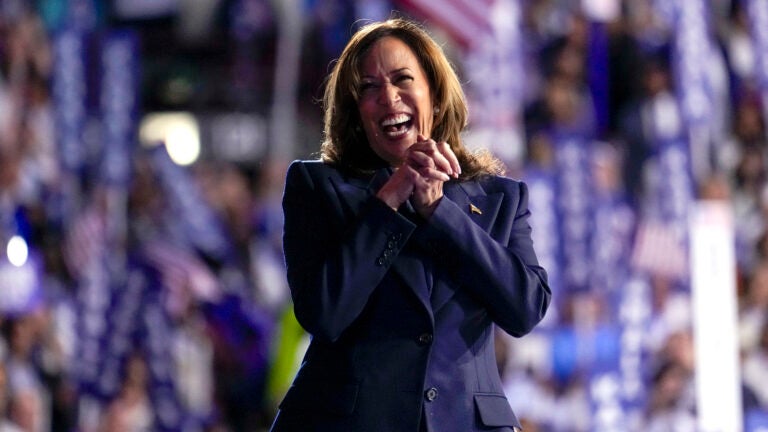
column 397, row 119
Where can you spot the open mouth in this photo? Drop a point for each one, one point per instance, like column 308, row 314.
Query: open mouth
column 396, row 125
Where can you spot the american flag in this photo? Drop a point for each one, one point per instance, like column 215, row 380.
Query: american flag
column 466, row 21
column 183, row 274
column 659, row 250
column 85, row 240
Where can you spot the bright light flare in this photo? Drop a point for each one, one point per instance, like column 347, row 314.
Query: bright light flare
column 17, row 251
column 178, row 130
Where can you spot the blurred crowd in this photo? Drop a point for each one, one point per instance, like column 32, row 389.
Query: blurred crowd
column 207, row 340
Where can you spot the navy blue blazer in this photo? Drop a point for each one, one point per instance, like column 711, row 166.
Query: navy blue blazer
column 401, row 310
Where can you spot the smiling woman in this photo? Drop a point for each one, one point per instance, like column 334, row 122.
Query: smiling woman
column 346, row 143
column 393, row 92
column 403, row 250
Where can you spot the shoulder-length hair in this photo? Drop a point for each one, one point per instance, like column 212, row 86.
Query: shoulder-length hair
column 345, row 143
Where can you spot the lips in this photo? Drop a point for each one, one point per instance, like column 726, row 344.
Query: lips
column 396, row 125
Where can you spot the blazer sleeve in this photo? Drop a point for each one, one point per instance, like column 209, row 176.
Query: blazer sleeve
column 334, row 261
column 502, row 270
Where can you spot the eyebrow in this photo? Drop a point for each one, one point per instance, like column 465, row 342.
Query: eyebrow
column 394, row 72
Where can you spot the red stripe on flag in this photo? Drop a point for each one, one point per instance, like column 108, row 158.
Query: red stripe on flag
column 657, row 250
column 84, row 241
column 182, row 271
column 466, row 21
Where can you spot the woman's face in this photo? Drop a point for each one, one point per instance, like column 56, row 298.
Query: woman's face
column 395, row 102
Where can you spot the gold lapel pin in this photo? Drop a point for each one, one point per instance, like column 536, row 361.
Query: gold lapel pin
column 473, row 208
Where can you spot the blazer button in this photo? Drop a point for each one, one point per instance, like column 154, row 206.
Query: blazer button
column 425, row 338
column 431, row 394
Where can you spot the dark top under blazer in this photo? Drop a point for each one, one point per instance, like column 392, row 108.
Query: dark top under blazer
column 400, row 310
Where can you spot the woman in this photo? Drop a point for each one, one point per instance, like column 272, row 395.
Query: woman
column 403, row 249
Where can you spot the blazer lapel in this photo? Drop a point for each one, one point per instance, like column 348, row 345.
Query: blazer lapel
column 410, row 268
column 353, row 193
column 482, row 209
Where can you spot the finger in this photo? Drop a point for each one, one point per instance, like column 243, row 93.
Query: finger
column 433, row 150
column 450, row 156
column 419, row 159
column 443, row 160
column 434, row 174
column 409, row 175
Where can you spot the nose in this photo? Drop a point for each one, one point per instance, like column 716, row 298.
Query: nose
column 389, row 94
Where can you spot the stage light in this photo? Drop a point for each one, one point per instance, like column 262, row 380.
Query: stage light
column 17, row 251
column 179, row 131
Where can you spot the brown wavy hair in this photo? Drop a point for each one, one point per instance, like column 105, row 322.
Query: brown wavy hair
column 345, row 143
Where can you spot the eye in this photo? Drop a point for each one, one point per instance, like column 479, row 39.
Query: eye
column 365, row 86
column 405, row 78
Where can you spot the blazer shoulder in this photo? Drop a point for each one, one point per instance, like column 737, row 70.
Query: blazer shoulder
column 497, row 183
column 310, row 171
column 309, row 166
column 308, row 163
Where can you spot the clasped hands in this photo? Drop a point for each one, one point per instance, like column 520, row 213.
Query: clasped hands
column 426, row 166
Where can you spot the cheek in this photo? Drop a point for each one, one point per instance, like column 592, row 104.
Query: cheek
column 366, row 113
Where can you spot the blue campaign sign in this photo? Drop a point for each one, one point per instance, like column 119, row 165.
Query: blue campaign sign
column 692, row 57
column 756, row 420
column 68, row 81
column 542, row 203
column 676, row 194
column 199, row 225
column 758, row 15
column 614, row 224
column 575, row 207
column 119, row 104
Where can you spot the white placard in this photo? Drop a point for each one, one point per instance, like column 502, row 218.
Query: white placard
column 713, row 282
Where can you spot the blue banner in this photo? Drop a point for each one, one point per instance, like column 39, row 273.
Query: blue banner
column 84, row 14
column 616, row 395
column 92, row 303
column 123, row 314
column 598, row 74
column 614, row 225
column 575, row 208
column 611, row 244
column 156, row 328
column 197, row 223
column 633, row 316
column 675, row 196
column 692, row 53
column 68, row 83
column 757, row 11
column 617, row 386
column 542, row 203
column 120, row 80
column 756, row 420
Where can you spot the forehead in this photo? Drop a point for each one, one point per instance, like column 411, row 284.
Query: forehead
column 388, row 54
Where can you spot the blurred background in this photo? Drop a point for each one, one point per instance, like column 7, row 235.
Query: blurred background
column 143, row 145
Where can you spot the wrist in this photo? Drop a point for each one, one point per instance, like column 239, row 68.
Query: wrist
column 427, row 210
column 388, row 201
